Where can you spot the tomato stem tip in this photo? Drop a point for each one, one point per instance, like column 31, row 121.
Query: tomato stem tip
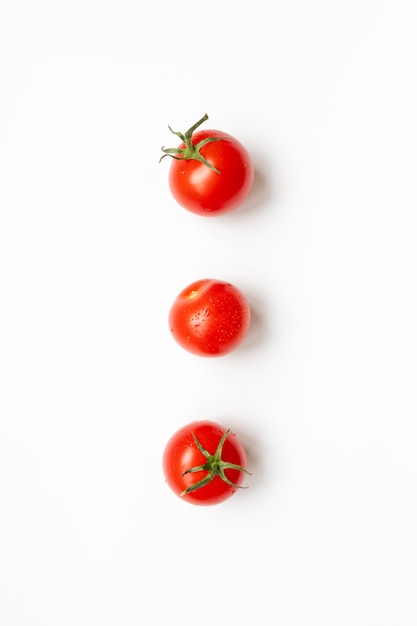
column 190, row 151
column 214, row 465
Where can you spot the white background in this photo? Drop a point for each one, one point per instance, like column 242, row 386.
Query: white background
column 93, row 250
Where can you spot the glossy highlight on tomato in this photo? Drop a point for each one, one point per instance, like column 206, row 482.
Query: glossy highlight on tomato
column 204, row 463
column 211, row 172
column 210, row 318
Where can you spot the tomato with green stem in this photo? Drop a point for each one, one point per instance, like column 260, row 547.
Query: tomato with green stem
column 204, row 463
column 211, row 173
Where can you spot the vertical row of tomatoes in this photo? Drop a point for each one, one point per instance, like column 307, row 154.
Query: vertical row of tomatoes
column 211, row 174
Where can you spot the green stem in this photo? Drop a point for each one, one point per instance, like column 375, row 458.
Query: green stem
column 214, row 465
column 190, row 151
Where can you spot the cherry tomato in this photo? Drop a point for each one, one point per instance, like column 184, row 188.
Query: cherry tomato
column 209, row 318
column 211, row 172
column 204, row 463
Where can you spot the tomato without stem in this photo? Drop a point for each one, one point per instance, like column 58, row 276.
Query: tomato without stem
column 204, row 463
column 211, row 172
column 210, row 318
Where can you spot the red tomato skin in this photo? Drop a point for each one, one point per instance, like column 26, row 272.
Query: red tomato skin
column 181, row 454
column 205, row 192
column 210, row 318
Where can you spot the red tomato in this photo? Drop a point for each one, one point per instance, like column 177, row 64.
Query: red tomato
column 211, row 172
column 209, row 318
column 204, row 463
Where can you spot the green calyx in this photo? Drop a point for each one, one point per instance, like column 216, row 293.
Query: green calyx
column 214, row 466
column 190, row 151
